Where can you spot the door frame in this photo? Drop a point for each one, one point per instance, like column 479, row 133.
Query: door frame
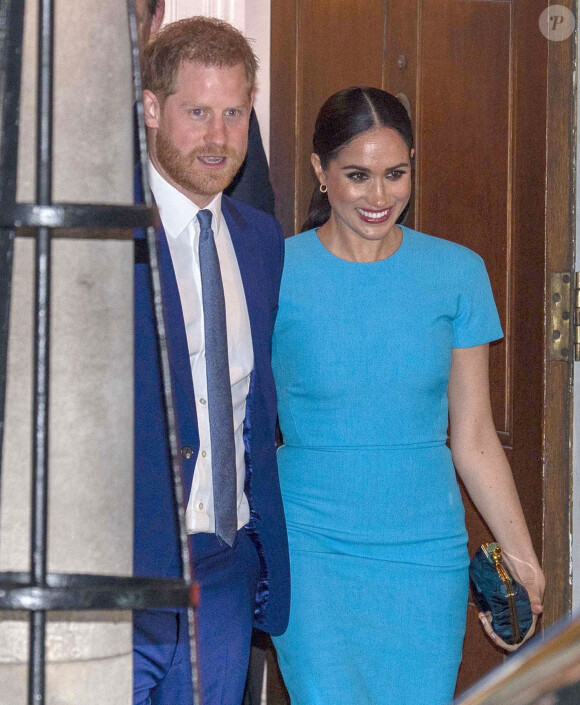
column 558, row 375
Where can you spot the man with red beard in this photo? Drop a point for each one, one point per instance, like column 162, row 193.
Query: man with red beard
column 252, row 182
column 220, row 264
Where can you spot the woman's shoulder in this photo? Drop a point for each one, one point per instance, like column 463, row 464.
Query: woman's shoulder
column 301, row 241
column 300, row 248
column 440, row 250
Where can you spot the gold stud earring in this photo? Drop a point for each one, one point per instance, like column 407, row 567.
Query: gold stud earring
column 323, row 188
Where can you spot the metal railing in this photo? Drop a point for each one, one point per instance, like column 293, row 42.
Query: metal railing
column 544, row 672
column 39, row 591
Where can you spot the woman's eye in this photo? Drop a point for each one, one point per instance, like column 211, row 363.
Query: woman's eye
column 395, row 175
column 356, row 176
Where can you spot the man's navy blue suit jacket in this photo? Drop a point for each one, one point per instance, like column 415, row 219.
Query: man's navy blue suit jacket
column 259, row 247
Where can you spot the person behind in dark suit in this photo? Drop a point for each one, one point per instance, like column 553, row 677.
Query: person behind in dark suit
column 198, row 79
column 251, row 184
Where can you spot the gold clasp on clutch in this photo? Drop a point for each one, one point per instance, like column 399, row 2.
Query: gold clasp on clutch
column 493, row 551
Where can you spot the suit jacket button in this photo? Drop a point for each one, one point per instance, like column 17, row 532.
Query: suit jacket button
column 186, row 452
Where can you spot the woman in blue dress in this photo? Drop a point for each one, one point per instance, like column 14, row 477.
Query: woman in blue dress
column 381, row 340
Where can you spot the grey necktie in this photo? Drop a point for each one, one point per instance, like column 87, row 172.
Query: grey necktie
column 219, row 391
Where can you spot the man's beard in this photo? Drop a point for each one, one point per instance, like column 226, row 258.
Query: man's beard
column 186, row 171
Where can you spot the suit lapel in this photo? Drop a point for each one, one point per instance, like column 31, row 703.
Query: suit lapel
column 181, row 380
column 243, row 245
column 176, row 337
column 182, row 383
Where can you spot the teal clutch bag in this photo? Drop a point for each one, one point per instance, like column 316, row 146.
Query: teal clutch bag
column 494, row 590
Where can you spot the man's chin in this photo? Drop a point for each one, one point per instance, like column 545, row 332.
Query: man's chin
column 210, row 184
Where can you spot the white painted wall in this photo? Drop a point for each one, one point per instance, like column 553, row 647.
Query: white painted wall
column 252, row 17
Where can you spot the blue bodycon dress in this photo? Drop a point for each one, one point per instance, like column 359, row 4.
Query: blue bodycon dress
column 361, row 357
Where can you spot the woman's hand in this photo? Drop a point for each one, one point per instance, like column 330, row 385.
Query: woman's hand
column 532, row 578
column 485, row 619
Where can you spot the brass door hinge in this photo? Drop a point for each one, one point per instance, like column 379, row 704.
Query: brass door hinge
column 560, row 305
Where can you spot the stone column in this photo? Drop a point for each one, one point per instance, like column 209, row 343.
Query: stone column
column 91, row 388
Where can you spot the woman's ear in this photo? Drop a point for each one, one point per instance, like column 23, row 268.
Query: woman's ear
column 317, row 166
column 151, row 109
column 412, row 154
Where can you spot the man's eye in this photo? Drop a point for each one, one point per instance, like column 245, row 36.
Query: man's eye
column 197, row 112
column 233, row 112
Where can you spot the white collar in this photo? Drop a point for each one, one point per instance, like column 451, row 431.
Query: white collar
column 177, row 210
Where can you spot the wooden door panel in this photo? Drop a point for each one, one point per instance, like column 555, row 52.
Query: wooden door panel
column 319, row 47
column 330, row 58
column 400, row 65
column 464, row 141
column 283, row 98
column 528, row 262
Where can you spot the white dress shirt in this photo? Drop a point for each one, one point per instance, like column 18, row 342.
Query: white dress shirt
column 179, row 217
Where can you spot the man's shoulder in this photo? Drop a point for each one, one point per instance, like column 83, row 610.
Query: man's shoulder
column 251, row 217
column 231, row 206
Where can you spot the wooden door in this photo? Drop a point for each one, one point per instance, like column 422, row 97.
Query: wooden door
column 475, row 79
column 315, row 52
column 483, row 86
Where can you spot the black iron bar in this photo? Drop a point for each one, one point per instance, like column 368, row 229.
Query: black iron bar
column 44, row 124
column 6, row 261
column 40, row 412
column 40, row 591
column 76, row 215
column 11, row 35
column 72, row 592
column 39, row 520
column 175, row 459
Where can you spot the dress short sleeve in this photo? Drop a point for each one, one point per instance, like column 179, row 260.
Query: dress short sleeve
column 477, row 321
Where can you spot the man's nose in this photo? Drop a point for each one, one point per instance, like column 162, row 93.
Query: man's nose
column 216, row 132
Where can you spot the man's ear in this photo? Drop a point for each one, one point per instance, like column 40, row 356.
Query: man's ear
column 157, row 19
column 151, row 109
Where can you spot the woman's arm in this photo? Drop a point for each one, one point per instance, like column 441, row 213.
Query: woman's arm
column 482, row 465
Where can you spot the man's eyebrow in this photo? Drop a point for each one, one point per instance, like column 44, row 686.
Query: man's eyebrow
column 193, row 104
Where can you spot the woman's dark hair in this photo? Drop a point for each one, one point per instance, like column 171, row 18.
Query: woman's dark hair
column 344, row 116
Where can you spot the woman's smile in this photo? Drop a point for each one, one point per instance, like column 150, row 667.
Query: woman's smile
column 372, row 216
